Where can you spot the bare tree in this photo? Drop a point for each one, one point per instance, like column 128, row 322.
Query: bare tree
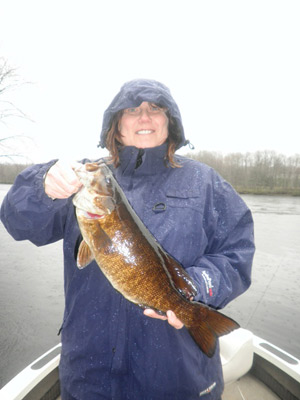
column 9, row 81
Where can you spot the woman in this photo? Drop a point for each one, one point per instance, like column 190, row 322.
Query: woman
column 110, row 349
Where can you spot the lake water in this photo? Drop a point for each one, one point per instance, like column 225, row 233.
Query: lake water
column 31, row 287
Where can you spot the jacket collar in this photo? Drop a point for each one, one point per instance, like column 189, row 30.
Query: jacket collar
column 142, row 161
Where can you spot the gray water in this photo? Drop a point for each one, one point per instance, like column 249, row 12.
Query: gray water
column 271, row 307
column 31, row 287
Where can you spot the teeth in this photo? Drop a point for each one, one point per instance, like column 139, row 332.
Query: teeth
column 144, row 132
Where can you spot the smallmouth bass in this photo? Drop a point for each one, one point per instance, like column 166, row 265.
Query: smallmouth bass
column 134, row 262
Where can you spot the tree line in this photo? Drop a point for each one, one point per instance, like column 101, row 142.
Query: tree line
column 262, row 172
column 9, row 172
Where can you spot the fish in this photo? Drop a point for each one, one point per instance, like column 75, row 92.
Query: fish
column 134, row 262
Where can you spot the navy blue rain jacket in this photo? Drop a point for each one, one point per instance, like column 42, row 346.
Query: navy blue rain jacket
column 110, row 350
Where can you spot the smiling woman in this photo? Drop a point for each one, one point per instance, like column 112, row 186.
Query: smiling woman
column 143, row 137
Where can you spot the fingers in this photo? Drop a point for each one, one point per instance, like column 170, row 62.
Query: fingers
column 61, row 181
column 173, row 320
column 152, row 314
column 171, row 317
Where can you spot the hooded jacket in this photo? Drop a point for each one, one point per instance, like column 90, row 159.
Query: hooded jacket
column 110, row 350
column 132, row 94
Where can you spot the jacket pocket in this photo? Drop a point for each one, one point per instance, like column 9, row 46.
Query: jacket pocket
column 185, row 199
column 177, row 223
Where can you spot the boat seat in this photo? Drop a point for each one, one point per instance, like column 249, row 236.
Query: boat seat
column 236, row 351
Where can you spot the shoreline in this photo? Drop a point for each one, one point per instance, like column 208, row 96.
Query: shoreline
column 261, row 192
column 258, row 191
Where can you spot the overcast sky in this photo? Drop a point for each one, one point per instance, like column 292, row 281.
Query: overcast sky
column 232, row 66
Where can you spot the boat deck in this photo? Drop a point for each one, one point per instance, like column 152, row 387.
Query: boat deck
column 245, row 387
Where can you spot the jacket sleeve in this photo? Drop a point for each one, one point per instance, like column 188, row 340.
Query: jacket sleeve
column 223, row 272
column 28, row 213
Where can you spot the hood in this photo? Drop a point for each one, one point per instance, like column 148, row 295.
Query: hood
column 132, row 94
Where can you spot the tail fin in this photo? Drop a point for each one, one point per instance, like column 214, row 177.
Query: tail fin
column 205, row 331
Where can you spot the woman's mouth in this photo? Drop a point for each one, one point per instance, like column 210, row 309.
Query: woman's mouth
column 144, row 132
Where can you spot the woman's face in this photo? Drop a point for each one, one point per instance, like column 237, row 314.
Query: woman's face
column 144, row 126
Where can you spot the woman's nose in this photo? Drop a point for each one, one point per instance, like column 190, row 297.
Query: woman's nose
column 145, row 114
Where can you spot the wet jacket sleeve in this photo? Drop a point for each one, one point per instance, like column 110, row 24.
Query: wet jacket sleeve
column 28, row 213
column 223, row 272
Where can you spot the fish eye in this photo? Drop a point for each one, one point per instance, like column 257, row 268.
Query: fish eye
column 108, row 180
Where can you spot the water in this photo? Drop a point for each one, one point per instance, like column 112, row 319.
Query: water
column 31, row 298
column 271, row 307
column 31, row 287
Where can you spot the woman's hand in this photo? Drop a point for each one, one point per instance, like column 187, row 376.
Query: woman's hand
column 171, row 317
column 61, row 181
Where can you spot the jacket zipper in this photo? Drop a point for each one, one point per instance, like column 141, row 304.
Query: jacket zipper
column 139, row 158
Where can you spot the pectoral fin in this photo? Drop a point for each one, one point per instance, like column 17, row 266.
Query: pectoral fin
column 84, row 256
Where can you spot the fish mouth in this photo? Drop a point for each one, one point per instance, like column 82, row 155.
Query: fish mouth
column 145, row 131
column 89, row 215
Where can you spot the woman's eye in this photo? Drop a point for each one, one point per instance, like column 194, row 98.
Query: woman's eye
column 132, row 110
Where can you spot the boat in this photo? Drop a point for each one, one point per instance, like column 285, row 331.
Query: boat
column 253, row 368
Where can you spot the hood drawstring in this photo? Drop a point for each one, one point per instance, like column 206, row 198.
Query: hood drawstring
column 191, row 146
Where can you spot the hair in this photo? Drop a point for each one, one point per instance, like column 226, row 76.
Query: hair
column 114, row 145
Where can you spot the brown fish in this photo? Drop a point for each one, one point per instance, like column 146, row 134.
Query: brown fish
column 134, row 262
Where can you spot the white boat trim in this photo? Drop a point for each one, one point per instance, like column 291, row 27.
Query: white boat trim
column 31, row 376
column 278, row 357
